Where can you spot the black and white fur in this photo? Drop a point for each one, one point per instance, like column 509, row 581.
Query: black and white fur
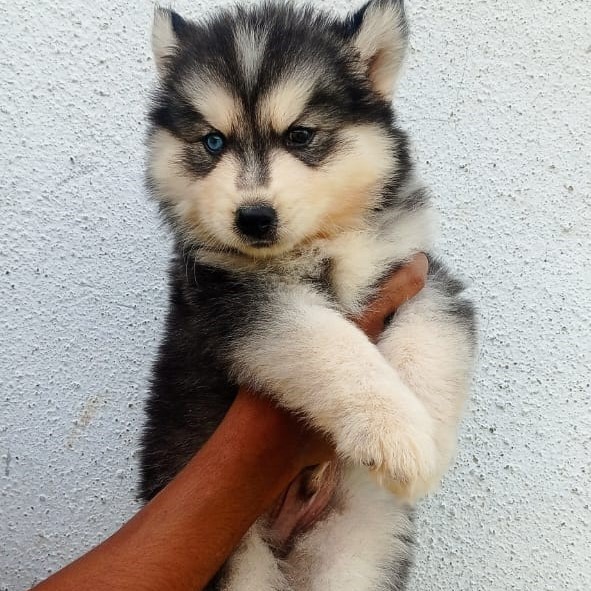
column 274, row 315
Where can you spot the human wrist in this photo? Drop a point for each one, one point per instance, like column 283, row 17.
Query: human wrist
column 259, row 433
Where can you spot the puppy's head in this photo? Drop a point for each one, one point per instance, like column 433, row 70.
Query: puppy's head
column 272, row 126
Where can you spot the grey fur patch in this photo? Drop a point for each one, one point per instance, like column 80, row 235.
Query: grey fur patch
column 460, row 308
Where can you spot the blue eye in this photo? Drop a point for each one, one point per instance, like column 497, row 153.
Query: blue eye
column 214, row 143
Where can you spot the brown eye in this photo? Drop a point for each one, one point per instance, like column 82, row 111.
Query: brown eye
column 299, row 137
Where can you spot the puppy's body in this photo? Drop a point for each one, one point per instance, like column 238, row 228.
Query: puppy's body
column 276, row 158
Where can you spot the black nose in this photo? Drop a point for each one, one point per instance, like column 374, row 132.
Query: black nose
column 257, row 221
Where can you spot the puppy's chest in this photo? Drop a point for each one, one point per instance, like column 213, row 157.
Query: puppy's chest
column 358, row 261
column 349, row 269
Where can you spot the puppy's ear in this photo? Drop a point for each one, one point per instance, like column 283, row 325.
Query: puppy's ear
column 168, row 30
column 380, row 34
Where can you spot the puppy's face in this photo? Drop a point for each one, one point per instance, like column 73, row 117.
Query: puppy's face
column 272, row 126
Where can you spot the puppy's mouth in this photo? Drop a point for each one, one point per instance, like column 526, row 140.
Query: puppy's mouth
column 262, row 243
column 264, row 249
column 306, row 500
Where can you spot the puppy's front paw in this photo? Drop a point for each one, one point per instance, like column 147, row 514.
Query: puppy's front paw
column 397, row 448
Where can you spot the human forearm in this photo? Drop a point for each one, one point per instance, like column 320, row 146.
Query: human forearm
column 181, row 538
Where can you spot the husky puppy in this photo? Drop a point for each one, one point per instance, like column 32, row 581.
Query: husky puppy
column 276, row 159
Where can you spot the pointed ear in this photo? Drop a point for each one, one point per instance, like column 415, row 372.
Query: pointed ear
column 380, row 34
column 167, row 31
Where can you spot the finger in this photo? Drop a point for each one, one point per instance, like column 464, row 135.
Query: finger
column 402, row 285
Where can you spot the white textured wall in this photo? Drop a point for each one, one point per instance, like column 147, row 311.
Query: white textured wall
column 497, row 96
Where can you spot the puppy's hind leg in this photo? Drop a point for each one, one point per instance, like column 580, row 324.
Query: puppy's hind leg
column 253, row 567
column 364, row 544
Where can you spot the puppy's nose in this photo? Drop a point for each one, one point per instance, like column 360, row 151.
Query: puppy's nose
column 257, row 221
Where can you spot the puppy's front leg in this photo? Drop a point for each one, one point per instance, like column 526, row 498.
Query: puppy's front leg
column 318, row 364
column 431, row 345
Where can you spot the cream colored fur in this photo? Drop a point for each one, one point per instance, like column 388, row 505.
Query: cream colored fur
column 286, row 101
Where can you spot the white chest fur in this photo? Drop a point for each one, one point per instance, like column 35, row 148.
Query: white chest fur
column 361, row 258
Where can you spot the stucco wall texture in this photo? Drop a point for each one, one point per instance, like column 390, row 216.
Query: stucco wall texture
column 497, row 97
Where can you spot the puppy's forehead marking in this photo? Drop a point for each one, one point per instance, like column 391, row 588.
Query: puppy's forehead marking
column 250, row 50
column 215, row 102
column 254, row 171
column 283, row 103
